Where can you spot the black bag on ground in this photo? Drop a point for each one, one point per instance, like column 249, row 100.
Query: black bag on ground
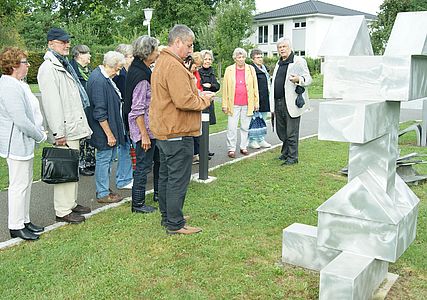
column 60, row 165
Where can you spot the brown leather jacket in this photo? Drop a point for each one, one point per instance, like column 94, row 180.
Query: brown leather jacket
column 175, row 109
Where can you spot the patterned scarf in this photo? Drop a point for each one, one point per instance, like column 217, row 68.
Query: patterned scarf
column 64, row 61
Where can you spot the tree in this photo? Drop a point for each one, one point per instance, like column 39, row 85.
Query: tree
column 382, row 27
column 233, row 25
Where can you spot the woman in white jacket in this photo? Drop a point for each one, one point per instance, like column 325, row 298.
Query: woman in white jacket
column 20, row 129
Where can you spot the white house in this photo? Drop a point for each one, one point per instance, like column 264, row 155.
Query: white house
column 306, row 24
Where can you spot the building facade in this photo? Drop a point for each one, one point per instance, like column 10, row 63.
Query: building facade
column 305, row 24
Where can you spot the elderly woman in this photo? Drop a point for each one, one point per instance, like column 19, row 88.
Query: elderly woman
column 106, row 122
column 239, row 100
column 138, row 82
column 80, row 64
column 208, row 81
column 20, row 129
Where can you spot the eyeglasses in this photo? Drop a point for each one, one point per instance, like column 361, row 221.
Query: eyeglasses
column 24, row 62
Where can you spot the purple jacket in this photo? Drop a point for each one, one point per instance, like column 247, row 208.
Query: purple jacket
column 141, row 98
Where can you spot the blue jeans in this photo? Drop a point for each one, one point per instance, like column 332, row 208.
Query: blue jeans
column 144, row 162
column 104, row 160
column 124, row 165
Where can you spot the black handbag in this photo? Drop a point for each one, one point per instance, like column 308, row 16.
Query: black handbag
column 299, row 101
column 60, row 165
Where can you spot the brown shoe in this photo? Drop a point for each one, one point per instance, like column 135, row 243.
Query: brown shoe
column 80, row 209
column 111, row 198
column 231, row 154
column 185, row 230
column 244, row 152
column 72, row 218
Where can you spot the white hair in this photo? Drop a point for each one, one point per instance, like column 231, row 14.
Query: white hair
column 284, row 40
column 113, row 59
column 239, row 51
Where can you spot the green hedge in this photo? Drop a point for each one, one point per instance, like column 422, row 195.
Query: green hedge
column 36, row 59
column 312, row 63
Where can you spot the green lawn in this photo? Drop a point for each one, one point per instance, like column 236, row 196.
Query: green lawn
column 119, row 255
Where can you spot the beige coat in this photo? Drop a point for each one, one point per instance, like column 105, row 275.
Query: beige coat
column 229, row 87
column 298, row 67
column 60, row 101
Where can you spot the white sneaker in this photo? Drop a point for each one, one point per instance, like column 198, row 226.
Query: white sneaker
column 264, row 144
column 254, row 145
column 127, row 186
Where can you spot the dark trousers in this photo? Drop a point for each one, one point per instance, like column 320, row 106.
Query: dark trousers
column 175, row 172
column 287, row 129
column 144, row 162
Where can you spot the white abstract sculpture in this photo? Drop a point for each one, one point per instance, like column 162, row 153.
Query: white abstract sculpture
column 372, row 220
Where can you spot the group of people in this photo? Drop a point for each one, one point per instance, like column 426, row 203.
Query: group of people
column 139, row 97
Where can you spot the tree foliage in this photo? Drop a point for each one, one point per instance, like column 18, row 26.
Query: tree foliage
column 233, row 25
column 389, row 9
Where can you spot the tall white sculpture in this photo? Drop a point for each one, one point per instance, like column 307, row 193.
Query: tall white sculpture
column 372, row 220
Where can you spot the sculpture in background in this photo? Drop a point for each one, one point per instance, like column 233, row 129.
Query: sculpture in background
column 372, row 220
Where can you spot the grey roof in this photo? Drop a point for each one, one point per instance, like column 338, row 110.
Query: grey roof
column 309, row 8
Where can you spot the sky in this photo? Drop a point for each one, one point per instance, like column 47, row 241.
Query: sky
column 368, row 6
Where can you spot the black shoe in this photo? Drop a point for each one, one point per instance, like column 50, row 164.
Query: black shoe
column 80, row 209
column 33, row 228
column 211, row 153
column 72, row 218
column 86, row 172
column 146, row 209
column 289, row 162
column 24, row 234
column 282, row 157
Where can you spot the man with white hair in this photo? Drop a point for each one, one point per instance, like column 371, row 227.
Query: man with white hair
column 63, row 101
column 175, row 119
column 290, row 76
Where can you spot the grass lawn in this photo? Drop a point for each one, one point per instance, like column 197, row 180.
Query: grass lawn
column 119, row 255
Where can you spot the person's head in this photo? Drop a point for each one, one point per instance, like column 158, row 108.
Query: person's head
column 13, row 62
column 180, row 40
column 257, row 57
column 196, row 62
column 113, row 63
column 208, row 58
column 239, row 56
column 127, row 51
column 146, row 48
column 81, row 54
column 59, row 41
column 284, row 47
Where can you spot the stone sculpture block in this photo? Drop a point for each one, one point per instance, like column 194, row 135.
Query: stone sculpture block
column 354, row 122
column 391, row 78
column 352, row 34
column 413, row 27
column 351, row 276
column 300, row 248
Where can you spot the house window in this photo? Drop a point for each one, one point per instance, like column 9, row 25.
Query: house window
column 263, row 34
column 277, row 32
column 300, row 53
column 300, row 23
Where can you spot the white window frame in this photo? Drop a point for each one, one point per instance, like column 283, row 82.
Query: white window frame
column 264, row 37
column 275, row 39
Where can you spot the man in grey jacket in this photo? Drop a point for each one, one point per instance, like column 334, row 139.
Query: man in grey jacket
column 63, row 102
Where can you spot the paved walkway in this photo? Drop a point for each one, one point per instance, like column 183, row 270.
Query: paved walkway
column 42, row 212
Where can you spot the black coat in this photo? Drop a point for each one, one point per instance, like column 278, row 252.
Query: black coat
column 75, row 66
column 104, row 105
column 208, row 76
column 264, row 101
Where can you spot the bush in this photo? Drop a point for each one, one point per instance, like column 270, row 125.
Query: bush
column 313, row 65
column 36, row 59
